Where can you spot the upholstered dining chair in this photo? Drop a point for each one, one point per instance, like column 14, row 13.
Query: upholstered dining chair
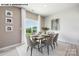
column 48, row 42
column 55, row 40
column 31, row 44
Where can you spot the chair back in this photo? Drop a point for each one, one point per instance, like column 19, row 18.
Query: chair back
column 49, row 39
column 29, row 42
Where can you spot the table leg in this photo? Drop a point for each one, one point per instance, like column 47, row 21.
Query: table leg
column 40, row 48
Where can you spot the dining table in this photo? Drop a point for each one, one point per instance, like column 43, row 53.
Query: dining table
column 41, row 37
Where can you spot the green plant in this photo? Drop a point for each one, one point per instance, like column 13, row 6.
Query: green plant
column 31, row 30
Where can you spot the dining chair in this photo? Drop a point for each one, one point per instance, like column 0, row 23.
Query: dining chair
column 48, row 42
column 31, row 44
column 55, row 40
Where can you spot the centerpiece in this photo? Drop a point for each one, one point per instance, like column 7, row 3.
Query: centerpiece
column 45, row 29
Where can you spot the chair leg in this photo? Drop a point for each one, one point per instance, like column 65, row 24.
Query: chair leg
column 41, row 50
column 27, row 48
column 56, row 44
column 38, row 46
column 31, row 51
column 48, row 49
column 51, row 46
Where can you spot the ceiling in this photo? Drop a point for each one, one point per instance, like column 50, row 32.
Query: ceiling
column 47, row 9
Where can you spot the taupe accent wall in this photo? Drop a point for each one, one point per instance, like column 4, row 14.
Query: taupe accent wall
column 42, row 21
column 14, row 37
column 31, row 15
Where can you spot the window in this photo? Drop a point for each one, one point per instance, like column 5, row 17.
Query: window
column 55, row 24
column 31, row 26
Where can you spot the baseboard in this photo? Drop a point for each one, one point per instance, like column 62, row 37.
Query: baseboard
column 11, row 46
column 69, row 42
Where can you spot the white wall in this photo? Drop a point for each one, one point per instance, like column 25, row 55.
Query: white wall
column 69, row 24
column 39, row 20
column 23, row 16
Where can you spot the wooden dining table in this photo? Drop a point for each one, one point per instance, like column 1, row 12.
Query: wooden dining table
column 40, row 38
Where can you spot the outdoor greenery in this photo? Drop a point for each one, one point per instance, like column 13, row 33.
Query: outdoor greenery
column 31, row 30
column 34, row 29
